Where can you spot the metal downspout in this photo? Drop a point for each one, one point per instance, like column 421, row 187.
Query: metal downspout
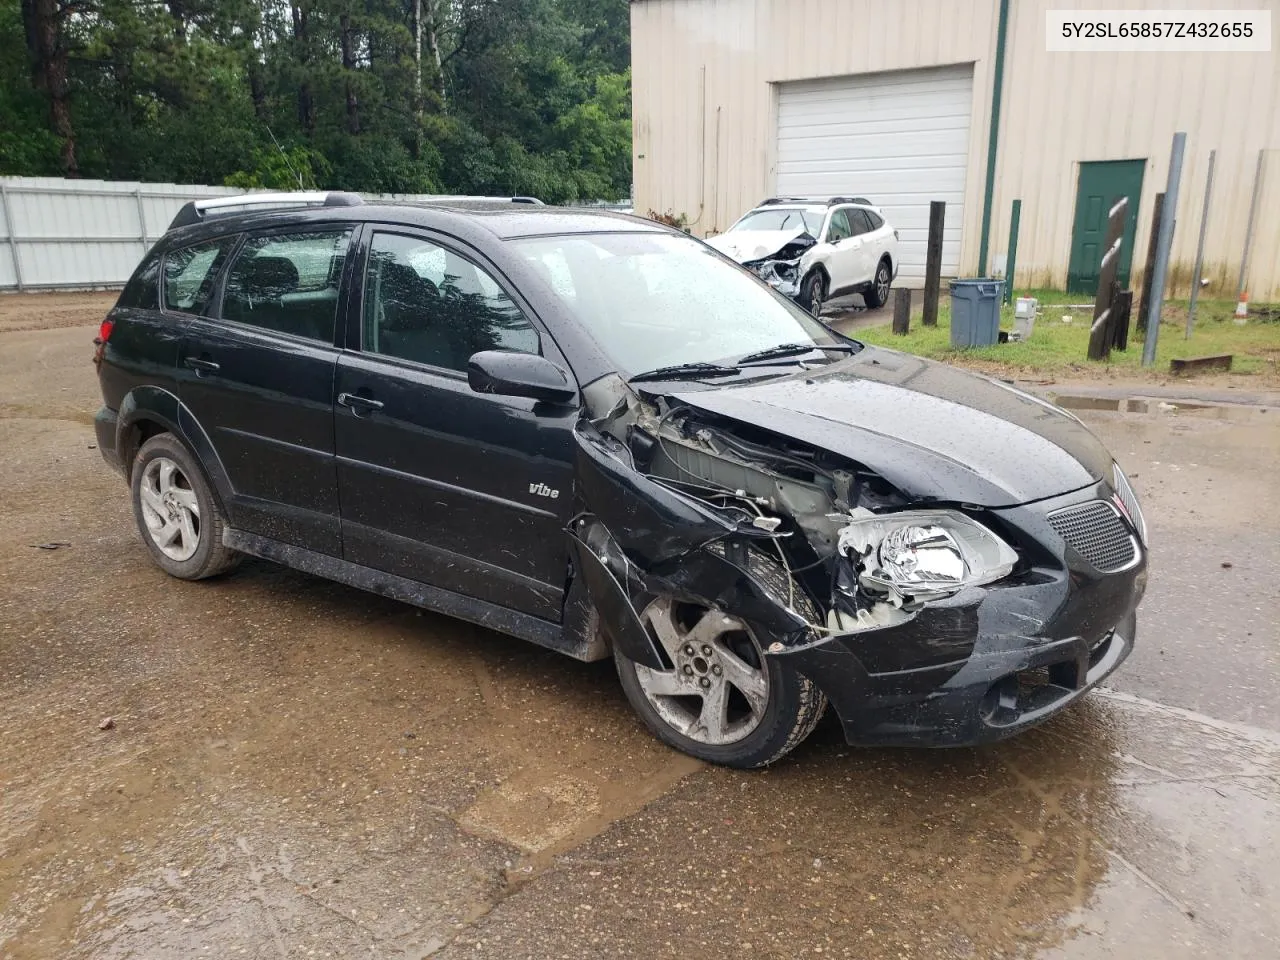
column 994, row 138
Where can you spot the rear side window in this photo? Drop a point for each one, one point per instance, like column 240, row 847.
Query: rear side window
column 877, row 221
column 860, row 222
column 288, row 282
column 425, row 303
column 190, row 273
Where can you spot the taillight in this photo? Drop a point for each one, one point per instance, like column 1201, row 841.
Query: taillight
column 100, row 341
column 895, row 234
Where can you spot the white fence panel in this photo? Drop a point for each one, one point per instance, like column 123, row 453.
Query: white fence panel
column 57, row 233
column 69, row 234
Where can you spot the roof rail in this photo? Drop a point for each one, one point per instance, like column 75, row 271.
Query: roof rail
column 198, row 210
column 444, row 198
column 825, row 201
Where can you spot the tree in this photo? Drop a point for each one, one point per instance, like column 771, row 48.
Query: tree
column 476, row 96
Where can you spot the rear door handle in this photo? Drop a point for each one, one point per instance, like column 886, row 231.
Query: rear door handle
column 202, row 366
column 358, row 403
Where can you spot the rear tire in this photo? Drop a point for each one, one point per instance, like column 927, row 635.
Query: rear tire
column 878, row 294
column 177, row 515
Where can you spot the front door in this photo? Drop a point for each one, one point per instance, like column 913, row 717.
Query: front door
column 1101, row 184
column 259, row 380
column 466, row 491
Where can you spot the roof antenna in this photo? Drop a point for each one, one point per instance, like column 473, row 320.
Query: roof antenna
column 283, row 154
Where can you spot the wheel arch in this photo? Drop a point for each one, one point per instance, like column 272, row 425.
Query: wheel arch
column 148, row 411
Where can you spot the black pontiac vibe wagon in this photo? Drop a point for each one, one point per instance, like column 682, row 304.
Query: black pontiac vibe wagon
column 598, row 434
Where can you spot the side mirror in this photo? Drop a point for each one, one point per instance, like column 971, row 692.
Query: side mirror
column 514, row 374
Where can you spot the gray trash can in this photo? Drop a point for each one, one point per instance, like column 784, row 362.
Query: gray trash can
column 975, row 312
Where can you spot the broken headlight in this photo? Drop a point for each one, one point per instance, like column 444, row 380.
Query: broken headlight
column 919, row 555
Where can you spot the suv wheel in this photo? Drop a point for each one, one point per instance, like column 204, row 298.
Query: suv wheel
column 177, row 515
column 878, row 295
column 719, row 698
column 813, row 293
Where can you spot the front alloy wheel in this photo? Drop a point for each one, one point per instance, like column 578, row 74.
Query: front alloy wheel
column 717, row 697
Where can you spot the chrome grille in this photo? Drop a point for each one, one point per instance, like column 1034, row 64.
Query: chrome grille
column 1096, row 531
column 1130, row 501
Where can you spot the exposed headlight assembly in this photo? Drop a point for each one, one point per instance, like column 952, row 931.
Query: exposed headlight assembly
column 918, row 555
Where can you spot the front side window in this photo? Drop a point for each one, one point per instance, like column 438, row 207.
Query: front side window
column 839, row 228
column 288, row 282
column 425, row 303
column 653, row 299
column 189, row 274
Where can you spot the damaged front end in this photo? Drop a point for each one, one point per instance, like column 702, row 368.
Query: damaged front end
column 784, row 269
column 880, row 600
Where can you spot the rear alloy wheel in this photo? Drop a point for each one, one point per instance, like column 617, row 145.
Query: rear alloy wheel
column 177, row 515
column 813, row 293
column 878, row 295
column 718, row 697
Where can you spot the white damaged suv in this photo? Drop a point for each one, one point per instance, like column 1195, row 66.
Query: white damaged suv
column 812, row 250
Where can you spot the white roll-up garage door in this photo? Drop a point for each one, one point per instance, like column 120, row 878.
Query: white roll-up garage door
column 899, row 139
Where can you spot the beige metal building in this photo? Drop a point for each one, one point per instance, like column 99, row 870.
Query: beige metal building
column 736, row 100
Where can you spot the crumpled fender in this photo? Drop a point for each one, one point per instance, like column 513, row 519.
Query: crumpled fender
column 635, row 538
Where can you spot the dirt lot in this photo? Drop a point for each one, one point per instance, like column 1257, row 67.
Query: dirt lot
column 296, row 769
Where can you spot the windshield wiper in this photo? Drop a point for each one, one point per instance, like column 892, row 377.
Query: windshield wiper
column 685, row 371
column 783, row 350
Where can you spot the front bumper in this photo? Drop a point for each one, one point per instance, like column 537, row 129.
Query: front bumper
column 989, row 662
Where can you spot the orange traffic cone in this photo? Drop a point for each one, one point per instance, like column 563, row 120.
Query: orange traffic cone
column 1242, row 308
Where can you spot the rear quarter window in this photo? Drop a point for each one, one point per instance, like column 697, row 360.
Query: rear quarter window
column 189, row 274
column 142, row 292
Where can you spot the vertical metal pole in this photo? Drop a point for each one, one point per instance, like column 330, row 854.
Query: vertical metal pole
column 13, row 235
column 1011, row 262
column 142, row 219
column 1162, row 250
column 1253, row 217
column 1204, row 225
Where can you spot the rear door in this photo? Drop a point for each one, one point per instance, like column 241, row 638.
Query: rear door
column 469, row 492
column 258, row 376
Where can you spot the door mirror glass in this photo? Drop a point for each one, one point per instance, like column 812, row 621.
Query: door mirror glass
column 512, row 374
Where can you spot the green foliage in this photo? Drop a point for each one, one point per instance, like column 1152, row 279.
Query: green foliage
column 297, row 168
column 530, row 96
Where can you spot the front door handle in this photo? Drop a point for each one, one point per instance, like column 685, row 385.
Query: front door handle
column 201, row 367
column 359, row 404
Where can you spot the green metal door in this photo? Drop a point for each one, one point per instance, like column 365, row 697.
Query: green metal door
column 1102, row 184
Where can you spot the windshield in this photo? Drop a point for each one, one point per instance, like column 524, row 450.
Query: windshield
column 792, row 218
column 655, row 300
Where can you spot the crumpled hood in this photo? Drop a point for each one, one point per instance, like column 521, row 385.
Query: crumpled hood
column 935, row 432
column 748, row 245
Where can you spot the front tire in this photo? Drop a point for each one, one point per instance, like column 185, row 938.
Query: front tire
column 878, row 294
column 719, row 698
column 813, row 292
column 177, row 515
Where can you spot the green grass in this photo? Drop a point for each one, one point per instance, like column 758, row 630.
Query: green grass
column 1059, row 348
